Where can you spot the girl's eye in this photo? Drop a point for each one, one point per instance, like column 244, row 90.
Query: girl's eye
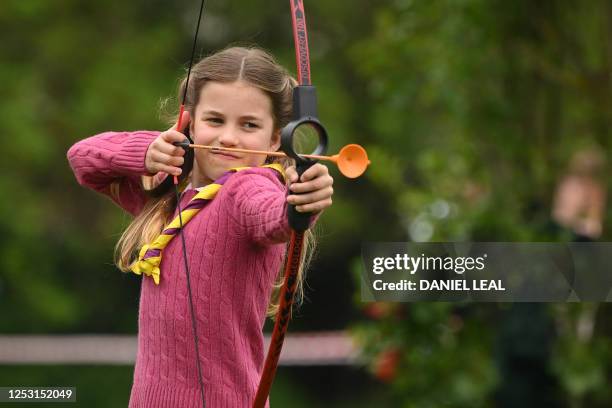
column 251, row 125
column 214, row 120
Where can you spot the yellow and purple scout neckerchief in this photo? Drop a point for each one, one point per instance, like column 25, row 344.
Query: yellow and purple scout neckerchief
column 149, row 257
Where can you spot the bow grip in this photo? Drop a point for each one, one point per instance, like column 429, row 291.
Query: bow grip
column 305, row 114
column 299, row 221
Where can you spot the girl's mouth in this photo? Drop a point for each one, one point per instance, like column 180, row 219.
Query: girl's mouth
column 225, row 156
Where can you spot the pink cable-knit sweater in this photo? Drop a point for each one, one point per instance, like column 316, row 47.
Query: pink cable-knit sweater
column 235, row 248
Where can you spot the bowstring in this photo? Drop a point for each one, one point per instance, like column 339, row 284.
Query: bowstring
column 178, row 204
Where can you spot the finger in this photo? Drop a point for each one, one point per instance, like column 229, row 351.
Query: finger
column 291, row 174
column 166, row 159
column 171, row 136
column 171, row 149
column 314, row 171
column 316, row 184
column 160, row 167
column 314, row 207
column 318, row 195
column 175, row 171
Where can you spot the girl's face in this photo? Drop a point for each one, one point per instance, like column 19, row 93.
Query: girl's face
column 235, row 115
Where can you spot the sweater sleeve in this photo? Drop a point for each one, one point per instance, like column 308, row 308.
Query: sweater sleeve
column 257, row 202
column 116, row 158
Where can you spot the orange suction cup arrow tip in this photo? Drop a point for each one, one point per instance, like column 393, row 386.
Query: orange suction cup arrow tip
column 352, row 160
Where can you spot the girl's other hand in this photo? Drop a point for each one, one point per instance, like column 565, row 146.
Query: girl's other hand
column 162, row 155
column 315, row 189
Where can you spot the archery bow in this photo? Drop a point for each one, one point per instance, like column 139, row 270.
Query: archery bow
column 305, row 114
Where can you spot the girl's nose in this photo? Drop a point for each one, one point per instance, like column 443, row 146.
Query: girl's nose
column 227, row 137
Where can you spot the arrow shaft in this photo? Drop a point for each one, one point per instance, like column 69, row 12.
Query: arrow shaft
column 277, row 154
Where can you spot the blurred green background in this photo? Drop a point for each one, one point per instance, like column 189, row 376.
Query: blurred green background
column 471, row 112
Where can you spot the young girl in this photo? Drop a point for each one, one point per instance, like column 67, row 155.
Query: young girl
column 236, row 243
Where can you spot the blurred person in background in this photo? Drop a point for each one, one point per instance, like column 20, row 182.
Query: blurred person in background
column 580, row 197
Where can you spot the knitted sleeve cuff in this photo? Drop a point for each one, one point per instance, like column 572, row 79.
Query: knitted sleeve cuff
column 131, row 153
column 112, row 163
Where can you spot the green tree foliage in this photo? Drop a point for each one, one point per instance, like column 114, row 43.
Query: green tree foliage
column 484, row 102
